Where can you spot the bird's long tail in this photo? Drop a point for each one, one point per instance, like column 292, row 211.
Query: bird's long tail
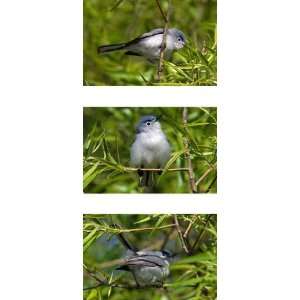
column 109, row 48
column 125, row 243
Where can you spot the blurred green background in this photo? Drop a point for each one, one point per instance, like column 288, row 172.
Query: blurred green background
column 108, row 134
column 192, row 276
column 115, row 21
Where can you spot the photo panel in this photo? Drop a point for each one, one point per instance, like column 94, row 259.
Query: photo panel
column 153, row 42
column 161, row 256
column 150, row 150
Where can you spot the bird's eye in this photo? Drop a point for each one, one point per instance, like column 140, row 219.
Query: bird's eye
column 179, row 39
column 148, row 123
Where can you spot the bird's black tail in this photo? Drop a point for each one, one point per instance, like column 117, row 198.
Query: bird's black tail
column 109, row 48
column 124, row 241
column 123, row 268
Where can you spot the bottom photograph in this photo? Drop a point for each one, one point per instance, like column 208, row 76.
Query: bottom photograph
column 161, row 256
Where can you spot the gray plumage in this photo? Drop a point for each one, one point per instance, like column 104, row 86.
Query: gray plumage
column 149, row 44
column 149, row 268
column 150, row 149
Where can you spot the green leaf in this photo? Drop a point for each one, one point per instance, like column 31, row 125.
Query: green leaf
column 93, row 295
column 185, row 283
column 144, row 220
column 90, row 238
column 88, row 174
column 173, row 158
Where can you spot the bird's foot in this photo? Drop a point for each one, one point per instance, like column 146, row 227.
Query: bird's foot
column 140, row 172
column 159, row 172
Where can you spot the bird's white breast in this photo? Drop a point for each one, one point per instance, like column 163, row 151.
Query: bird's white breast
column 153, row 141
column 150, row 149
column 150, row 47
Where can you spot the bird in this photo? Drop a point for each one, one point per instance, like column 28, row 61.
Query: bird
column 149, row 268
column 149, row 44
column 150, row 149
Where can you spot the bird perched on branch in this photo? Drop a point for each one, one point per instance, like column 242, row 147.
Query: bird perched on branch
column 149, row 44
column 149, row 268
column 150, row 149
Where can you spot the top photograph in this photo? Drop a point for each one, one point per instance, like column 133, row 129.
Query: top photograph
column 150, row 42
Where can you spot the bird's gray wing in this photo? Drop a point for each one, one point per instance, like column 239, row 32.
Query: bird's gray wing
column 152, row 32
column 146, row 35
column 137, row 261
column 145, row 260
column 141, row 263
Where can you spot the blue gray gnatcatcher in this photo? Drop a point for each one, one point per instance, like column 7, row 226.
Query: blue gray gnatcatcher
column 150, row 149
column 149, row 44
column 149, row 268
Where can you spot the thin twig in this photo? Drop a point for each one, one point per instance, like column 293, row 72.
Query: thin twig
column 211, row 184
column 187, row 153
column 185, row 235
column 211, row 168
column 182, row 240
column 161, row 11
column 129, row 169
column 201, row 233
column 163, row 43
column 111, row 263
column 162, row 51
column 114, row 285
column 116, row 5
column 123, row 286
column 93, row 275
column 114, row 230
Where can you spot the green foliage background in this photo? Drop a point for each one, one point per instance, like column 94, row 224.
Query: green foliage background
column 108, row 21
column 193, row 277
column 108, row 134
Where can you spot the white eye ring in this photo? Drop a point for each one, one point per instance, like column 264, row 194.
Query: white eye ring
column 179, row 39
column 148, row 123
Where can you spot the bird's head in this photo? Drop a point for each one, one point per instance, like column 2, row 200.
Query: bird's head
column 168, row 254
column 179, row 38
column 148, row 123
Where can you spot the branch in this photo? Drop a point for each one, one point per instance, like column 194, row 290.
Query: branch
column 121, row 168
column 110, row 263
column 187, row 231
column 161, row 11
column 211, row 184
column 211, row 168
column 123, row 286
column 163, row 43
column 187, row 153
column 129, row 169
column 182, row 239
column 104, row 283
column 115, row 230
column 115, row 285
column 201, row 233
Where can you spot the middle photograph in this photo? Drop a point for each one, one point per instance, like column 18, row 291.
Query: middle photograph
column 150, row 149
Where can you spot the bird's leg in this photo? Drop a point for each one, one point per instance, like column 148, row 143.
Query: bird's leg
column 159, row 284
column 135, row 279
column 140, row 172
column 160, row 172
